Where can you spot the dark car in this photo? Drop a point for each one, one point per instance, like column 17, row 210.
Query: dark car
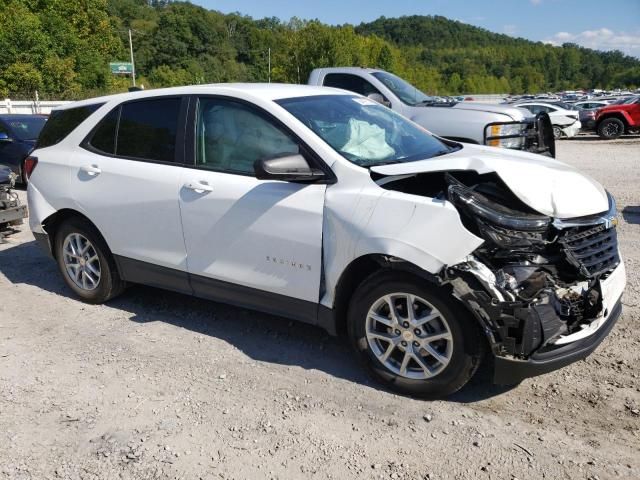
column 587, row 117
column 18, row 136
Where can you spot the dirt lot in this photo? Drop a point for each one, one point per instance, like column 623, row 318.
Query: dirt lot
column 160, row 385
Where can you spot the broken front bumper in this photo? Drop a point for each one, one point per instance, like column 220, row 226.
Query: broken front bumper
column 510, row 370
column 570, row 348
column 525, row 340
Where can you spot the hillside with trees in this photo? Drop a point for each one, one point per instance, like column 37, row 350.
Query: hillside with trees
column 62, row 49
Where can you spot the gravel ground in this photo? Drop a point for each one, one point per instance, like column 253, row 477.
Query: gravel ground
column 158, row 385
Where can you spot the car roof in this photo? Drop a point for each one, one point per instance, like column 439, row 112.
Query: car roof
column 264, row 91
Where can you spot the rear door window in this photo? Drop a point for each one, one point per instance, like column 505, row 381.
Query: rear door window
column 147, row 129
column 62, row 122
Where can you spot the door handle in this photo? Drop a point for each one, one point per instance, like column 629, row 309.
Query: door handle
column 199, row 187
column 91, row 170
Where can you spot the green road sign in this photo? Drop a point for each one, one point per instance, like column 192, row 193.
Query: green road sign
column 121, row 68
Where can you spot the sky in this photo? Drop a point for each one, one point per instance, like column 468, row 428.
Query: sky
column 591, row 23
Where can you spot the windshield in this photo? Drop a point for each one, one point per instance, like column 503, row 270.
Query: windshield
column 403, row 89
column 363, row 131
column 27, row 128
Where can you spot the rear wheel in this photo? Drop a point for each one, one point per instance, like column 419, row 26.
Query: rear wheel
column 412, row 337
column 86, row 263
column 611, row 128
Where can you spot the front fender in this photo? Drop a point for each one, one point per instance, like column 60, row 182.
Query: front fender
column 421, row 230
column 425, row 232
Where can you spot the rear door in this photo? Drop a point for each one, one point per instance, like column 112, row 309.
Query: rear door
column 126, row 180
column 251, row 242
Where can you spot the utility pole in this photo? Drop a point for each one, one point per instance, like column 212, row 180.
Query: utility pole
column 133, row 65
column 269, row 64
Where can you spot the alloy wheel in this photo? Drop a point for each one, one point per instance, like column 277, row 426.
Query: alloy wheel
column 409, row 336
column 611, row 129
column 81, row 261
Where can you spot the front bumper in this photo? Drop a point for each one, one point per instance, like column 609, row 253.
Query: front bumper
column 567, row 349
column 510, row 371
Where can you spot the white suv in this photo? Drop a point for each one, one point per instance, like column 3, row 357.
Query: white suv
column 323, row 206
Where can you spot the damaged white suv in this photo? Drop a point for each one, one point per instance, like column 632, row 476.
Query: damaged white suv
column 323, row 206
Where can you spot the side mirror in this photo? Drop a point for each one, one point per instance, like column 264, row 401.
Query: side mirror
column 288, row 168
column 378, row 97
column 5, row 138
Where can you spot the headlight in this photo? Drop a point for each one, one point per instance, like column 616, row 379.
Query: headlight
column 479, row 206
column 505, row 135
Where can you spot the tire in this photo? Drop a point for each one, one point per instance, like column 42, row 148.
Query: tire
column 73, row 236
column 557, row 133
column 610, row 128
column 462, row 345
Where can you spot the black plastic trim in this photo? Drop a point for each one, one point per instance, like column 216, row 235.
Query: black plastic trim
column 510, row 371
column 137, row 271
column 255, row 299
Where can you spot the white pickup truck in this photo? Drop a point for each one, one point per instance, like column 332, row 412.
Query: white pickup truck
column 469, row 122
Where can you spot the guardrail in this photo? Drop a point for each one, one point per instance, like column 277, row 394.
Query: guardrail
column 29, row 106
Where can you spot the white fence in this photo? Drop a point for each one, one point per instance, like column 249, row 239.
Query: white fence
column 29, row 106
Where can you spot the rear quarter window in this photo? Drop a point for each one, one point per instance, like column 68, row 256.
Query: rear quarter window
column 62, row 122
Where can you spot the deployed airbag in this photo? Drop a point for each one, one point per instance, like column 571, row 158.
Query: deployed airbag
column 367, row 141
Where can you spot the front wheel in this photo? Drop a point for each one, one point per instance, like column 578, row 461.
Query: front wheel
column 611, row 128
column 412, row 337
column 557, row 133
column 85, row 262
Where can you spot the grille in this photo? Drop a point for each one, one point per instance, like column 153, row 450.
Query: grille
column 592, row 250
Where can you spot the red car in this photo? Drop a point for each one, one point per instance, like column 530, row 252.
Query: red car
column 614, row 120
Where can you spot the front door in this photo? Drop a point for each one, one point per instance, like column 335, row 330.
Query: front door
column 250, row 242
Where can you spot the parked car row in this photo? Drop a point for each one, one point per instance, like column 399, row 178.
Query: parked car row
column 608, row 118
column 565, row 121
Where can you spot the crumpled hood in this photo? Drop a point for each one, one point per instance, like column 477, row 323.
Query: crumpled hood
column 515, row 113
column 546, row 185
